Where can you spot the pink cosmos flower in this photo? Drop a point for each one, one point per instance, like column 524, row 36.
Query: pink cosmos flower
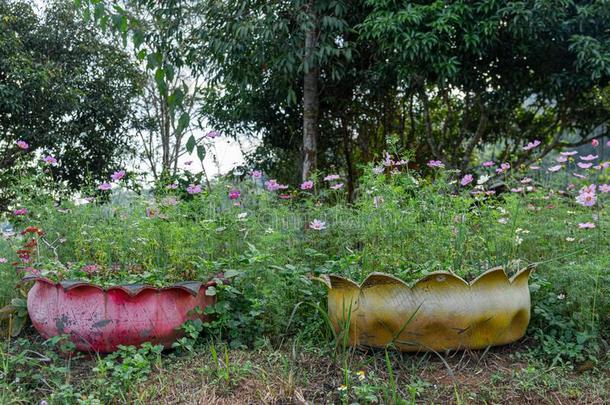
column 589, row 157
column 172, row 186
column 532, row 145
column 273, row 185
column 571, row 186
column 516, row 190
column 503, row 167
column 317, row 225
column 561, row 159
column 436, row 163
column 20, row 211
column 285, row 196
column 554, row 169
column 535, row 167
column 118, row 175
column 586, row 199
column 50, row 160
column 580, row 176
column 388, row 160
column 169, row 201
column 194, row 189
column 23, row 145
column 91, row 268
column 584, row 165
column 595, row 143
column 608, row 143
column 378, row 169
column 257, row 174
column 586, row 225
column 490, row 192
column 150, row 212
column 489, row 163
column 466, row 180
column 337, row 186
column 213, row 134
column 307, row 185
column 589, row 189
column 104, row 186
column 569, row 153
column 604, row 188
column 3, row 260
column 526, row 180
column 332, row 177
column 234, row 194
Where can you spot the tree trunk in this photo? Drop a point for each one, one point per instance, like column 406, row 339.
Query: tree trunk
column 347, row 150
column 311, row 102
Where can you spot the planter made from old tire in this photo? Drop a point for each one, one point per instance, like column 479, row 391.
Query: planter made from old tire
column 439, row 312
column 99, row 320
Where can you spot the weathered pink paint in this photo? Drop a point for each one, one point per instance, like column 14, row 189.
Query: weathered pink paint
column 99, row 320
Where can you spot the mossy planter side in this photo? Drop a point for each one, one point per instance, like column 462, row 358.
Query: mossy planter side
column 99, row 320
column 439, row 312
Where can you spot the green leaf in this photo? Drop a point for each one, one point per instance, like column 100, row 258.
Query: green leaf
column 201, row 152
column 183, row 122
column 190, row 144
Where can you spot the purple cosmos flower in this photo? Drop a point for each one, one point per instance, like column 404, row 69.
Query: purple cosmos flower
column 435, row 163
column 23, row 145
column 172, row 186
column 91, row 268
column 378, row 169
column 604, row 188
column 569, row 153
column 285, row 196
column 466, row 180
column 118, row 175
column 317, row 225
column 20, row 211
column 586, row 199
column 307, row 185
column 554, row 169
column 532, row 145
column 489, row 163
column 273, row 185
column 562, row 159
column 388, row 160
column 586, row 225
column 50, row 160
column 337, row 186
column 589, row 189
column 589, row 157
column 104, row 186
column 234, row 194
column 332, row 177
column 580, row 176
column 526, row 180
column 213, row 134
column 584, row 165
column 193, row 189
column 595, row 143
column 257, row 174
column 516, row 190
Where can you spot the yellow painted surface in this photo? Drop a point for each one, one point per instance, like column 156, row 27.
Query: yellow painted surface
column 440, row 312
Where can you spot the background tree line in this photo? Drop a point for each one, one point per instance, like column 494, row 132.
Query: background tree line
column 326, row 84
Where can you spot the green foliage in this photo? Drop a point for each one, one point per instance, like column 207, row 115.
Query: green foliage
column 65, row 91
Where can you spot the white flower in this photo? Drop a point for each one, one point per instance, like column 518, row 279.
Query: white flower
column 503, row 220
column 483, row 179
column 518, row 240
column 242, row 215
column 569, row 239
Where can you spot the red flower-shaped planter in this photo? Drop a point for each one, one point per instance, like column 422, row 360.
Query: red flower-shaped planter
column 99, row 320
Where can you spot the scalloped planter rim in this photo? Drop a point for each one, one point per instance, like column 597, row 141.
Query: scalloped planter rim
column 438, row 312
column 99, row 320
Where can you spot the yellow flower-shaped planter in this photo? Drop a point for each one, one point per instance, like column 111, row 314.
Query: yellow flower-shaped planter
column 439, row 312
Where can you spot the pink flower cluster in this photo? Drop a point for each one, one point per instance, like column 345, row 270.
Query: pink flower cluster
column 273, row 185
column 587, row 196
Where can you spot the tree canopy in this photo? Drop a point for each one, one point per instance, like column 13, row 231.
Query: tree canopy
column 64, row 90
